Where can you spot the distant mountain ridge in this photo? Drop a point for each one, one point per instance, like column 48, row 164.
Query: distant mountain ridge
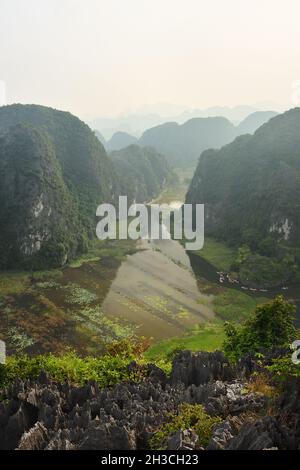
column 120, row 140
column 183, row 144
column 143, row 172
column 135, row 123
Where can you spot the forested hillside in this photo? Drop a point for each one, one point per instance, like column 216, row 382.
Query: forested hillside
column 53, row 172
column 143, row 172
column 251, row 193
column 183, row 144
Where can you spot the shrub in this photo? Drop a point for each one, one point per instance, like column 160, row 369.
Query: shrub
column 188, row 417
column 271, row 326
column 107, row 370
column 282, row 369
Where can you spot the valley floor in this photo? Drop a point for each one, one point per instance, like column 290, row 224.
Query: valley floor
column 123, row 288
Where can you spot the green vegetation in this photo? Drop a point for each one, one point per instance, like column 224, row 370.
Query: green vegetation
column 106, row 370
column 206, row 337
column 143, row 172
column 271, row 326
column 188, row 417
column 54, row 173
column 282, row 369
column 78, row 295
column 44, row 311
column 177, row 188
column 217, row 254
column 16, row 282
column 107, row 248
column 13, row 282
column 257, row 270
column 233, row 305
column 19, row 339
column 250, row 189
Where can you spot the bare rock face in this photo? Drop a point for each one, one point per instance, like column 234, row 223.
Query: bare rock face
column 35, row 438
column 182, row 440
column 43, row 414
column 223, row 398
column 199, row 368
column 46, row 415
column 281, row 430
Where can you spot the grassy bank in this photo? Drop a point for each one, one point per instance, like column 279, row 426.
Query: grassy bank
column 206, row 337
column 45, row 311
column 217, row 254
column 178, row 190
column 235, row 306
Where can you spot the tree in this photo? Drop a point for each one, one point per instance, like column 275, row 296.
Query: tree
column 272, row 326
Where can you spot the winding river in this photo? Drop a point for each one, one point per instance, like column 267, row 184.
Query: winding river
column 162, row 289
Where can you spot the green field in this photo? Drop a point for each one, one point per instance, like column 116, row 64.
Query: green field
column 208, row 337
column 178, row 190
column 235, row 306
column 217, row 254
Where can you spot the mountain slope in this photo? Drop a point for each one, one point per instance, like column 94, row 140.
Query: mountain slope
column 251, row 192
column 252, row 122
column 120, row 140
column 143, row 172
column 183, row 144
column 54, row 173
column 100, row 137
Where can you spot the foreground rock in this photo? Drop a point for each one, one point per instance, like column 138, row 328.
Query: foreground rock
column 42, row 414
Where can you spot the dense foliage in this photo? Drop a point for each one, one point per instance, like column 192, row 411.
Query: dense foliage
column 143, row 172
column 270, row 327
column 188, row 417
column 251, row 193
column 54, row 173
column 107, row 370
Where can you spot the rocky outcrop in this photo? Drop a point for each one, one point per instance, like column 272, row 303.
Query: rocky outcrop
column 199, row 368
column 43, row 414
column 182, row 440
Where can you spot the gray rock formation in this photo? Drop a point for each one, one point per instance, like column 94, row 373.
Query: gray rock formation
column 43, row 414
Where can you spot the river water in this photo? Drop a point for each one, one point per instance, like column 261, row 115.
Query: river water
column 159, row 291
column 162, row 289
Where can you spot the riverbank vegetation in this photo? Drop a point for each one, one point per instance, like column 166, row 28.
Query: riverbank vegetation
column 271, row 326
column 203, row 337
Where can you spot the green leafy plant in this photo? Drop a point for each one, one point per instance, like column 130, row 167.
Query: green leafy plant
column 283, row 368
column 106, row 370
column 271, row 326
column 188, row 417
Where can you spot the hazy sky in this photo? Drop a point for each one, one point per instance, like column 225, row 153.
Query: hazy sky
column 97, row 58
